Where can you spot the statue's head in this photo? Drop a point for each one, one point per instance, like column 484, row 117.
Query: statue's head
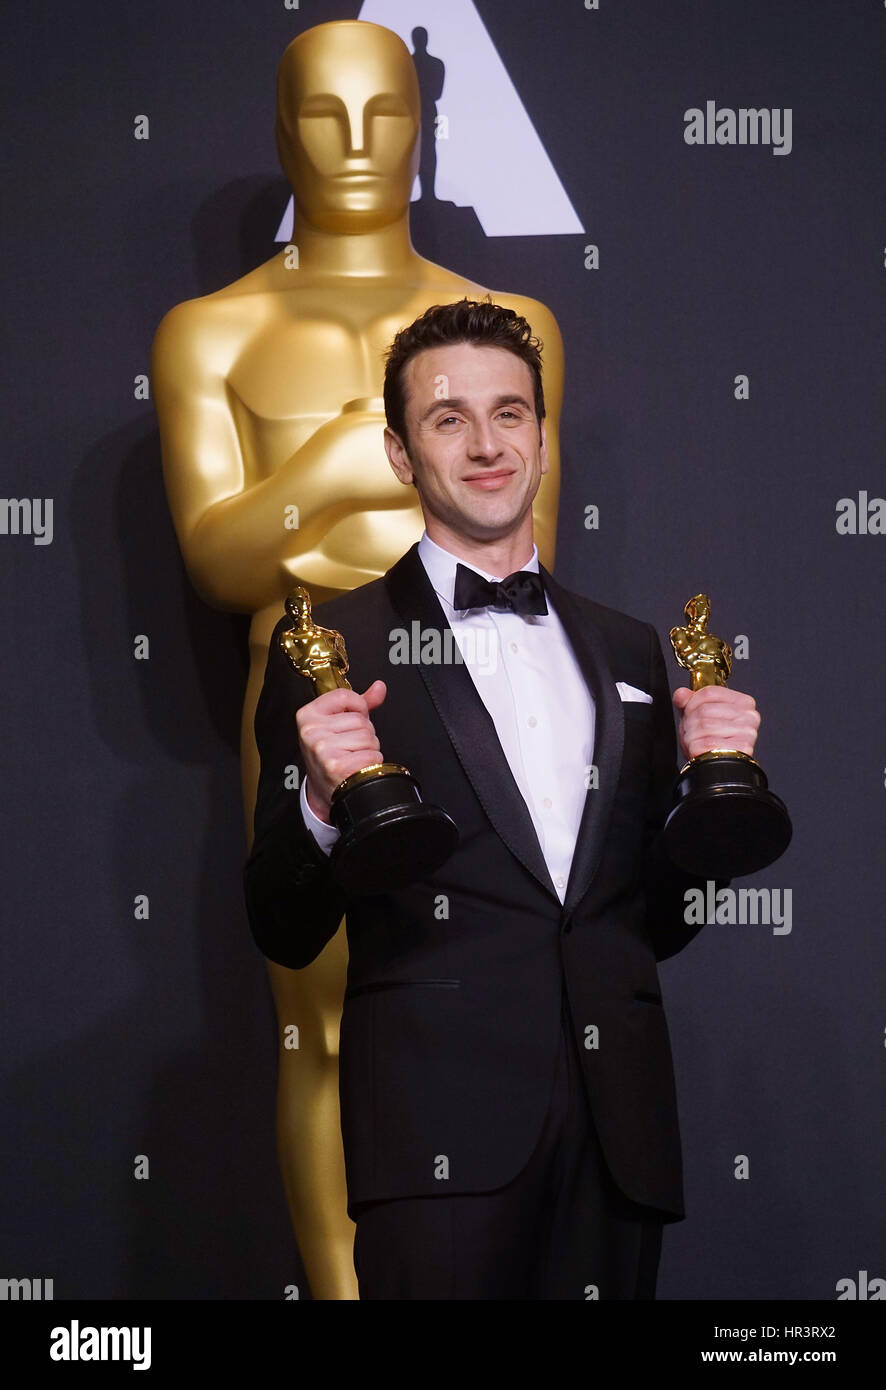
column 298, row 606
column 698, row 609
column 348, row 118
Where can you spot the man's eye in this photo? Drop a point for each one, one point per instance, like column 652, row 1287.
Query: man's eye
column 446, row 419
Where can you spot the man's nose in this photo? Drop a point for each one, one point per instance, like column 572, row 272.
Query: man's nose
column 482, row 442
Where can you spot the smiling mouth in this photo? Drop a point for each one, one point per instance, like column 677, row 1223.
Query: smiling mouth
column 489, row 480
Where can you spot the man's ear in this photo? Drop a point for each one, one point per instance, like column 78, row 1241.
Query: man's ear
column 543, row 452
column 398, row 457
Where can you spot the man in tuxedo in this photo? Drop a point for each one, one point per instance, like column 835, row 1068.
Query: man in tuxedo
column 507, row 1093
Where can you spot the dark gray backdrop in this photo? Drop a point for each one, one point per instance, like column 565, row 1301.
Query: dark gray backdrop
column 125, row 1037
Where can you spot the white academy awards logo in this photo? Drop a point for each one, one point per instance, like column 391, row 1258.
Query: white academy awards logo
column 491, row 159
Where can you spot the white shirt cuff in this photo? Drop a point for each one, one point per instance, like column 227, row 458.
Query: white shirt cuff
column 325, row 834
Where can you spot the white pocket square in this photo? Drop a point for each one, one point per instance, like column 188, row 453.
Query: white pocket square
column 630, row 692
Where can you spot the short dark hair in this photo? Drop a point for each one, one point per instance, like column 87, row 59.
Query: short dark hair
column 482, row 322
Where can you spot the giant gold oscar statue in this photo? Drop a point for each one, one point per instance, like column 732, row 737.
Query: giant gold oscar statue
column 268, row 396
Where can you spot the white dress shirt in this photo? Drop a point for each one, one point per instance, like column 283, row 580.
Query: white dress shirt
column 527, row 676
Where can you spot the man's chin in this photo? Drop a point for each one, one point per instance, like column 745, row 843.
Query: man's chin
column 487, row 527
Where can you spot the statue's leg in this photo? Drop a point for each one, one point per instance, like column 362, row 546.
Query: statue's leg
column 309, row 1142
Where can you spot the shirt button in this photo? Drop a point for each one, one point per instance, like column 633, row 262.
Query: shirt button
column 532, row 721
column 560, row 882
column 514, row 647
column 547, row 803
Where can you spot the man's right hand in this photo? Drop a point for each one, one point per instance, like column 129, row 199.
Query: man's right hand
column 337, row 738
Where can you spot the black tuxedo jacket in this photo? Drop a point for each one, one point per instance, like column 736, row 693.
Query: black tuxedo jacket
column 452, row 1011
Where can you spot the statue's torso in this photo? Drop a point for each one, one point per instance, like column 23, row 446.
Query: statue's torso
column 297, row 356
column 300, row 360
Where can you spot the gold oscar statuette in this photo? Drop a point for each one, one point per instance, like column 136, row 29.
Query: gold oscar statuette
column 725, row 821
column 388, row 837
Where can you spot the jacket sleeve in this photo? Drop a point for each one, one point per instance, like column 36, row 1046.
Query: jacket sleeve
column 665, row 884
column 293, row 900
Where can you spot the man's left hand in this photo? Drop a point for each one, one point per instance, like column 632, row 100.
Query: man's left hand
column 716, row 717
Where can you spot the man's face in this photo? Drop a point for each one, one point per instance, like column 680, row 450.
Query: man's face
column 474, row 450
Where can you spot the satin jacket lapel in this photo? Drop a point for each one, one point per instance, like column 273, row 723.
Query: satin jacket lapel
column 590, row 652
column 467, row 720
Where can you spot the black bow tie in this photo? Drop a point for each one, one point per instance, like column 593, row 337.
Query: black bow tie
column 522, row 591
